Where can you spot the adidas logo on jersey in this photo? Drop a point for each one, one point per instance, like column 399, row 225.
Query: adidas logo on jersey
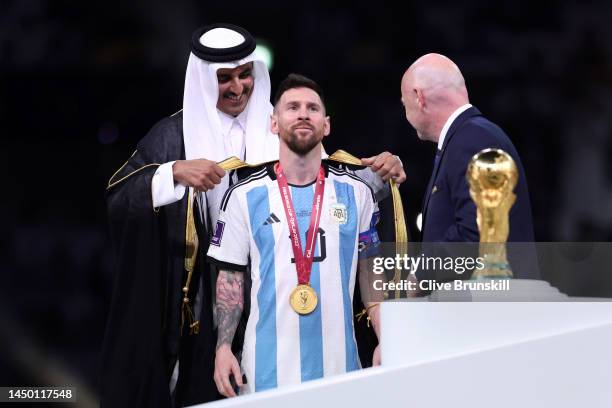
column 271, row 219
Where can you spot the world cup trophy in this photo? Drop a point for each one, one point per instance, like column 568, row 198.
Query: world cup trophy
column 492, row 176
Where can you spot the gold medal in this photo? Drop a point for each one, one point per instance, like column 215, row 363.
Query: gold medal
column 303, row 299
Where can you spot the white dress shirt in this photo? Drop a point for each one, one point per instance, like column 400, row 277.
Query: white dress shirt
column 165, row 191
column 450, row 121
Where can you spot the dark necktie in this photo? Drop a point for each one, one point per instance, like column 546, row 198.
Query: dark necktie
column 437, row 158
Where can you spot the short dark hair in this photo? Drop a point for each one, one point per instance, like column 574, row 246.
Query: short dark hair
column 297, row 81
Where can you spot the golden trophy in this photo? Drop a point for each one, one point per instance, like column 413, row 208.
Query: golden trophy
column 492, row 175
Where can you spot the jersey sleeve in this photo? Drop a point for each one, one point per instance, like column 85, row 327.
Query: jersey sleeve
column 369, row 243
column 378, row 185
column 229, row 244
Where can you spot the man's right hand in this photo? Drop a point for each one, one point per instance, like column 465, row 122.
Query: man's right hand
column 226, row 364
column 200, row 174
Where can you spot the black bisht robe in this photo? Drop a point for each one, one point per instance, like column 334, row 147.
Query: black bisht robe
column 143, row 340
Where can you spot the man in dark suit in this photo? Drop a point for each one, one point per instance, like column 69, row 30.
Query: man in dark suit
column 437, row 106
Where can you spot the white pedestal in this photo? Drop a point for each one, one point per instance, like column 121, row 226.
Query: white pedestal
column 472, row 355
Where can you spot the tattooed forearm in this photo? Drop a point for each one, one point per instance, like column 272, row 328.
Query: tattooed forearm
column 230, row 302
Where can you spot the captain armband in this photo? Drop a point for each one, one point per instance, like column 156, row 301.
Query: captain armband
column 369, row 243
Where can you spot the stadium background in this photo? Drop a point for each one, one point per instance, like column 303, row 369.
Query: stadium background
column 81, row 83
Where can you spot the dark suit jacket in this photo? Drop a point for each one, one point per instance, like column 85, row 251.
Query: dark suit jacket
column 449, row 214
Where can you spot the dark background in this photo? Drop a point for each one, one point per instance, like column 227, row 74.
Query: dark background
column 81, row 83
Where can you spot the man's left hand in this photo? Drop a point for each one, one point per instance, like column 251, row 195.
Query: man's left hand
column 387, row 166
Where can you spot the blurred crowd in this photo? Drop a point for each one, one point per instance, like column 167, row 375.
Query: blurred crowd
column 80, row 84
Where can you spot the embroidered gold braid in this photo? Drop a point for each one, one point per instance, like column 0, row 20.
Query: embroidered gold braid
column 112, row 183
column 233, row 163
column 401, row 234
column 191, row 253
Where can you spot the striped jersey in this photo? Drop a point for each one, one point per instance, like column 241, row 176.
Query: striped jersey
column 282, row 347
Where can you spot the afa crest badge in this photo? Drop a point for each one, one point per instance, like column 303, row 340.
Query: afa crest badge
column 338, row 213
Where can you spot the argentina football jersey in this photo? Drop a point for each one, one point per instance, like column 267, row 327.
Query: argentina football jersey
column 281, row 346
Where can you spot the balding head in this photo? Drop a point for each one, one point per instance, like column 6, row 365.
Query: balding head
column 432, row 89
